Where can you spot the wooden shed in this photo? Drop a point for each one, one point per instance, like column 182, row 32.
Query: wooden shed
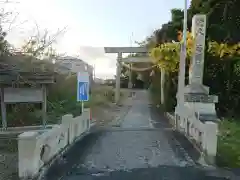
column 24, row 79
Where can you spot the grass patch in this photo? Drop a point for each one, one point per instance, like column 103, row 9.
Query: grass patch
column 101, row 95
column 229, row 144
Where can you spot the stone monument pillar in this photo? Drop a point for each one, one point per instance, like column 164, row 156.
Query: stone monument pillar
column 197, row 112
column 196, row 115
column 196, row 91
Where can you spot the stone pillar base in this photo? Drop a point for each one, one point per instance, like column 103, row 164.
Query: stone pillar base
column 130, row 85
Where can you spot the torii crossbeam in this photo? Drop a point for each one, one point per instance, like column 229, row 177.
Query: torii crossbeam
column 120, row 51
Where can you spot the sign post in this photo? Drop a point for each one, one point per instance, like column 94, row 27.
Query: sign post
column 82, row 88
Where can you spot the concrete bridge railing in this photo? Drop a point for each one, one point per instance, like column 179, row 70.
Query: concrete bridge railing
column 202, row 133
column 195, row 113
column 38, row 148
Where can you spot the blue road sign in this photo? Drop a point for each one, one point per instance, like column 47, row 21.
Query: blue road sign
column 83, row 94
column 83, row 87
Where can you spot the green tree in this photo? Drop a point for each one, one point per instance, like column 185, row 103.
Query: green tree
column 223, row 18
column 4, row 46
column 169, row 31
column 222, row 27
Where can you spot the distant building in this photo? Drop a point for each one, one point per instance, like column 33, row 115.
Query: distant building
column 109, row 81
column 99, row 81
column 70, row 64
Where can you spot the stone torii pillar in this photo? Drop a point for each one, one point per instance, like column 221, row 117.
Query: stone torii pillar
column 118, row 74
column 120, row 51
column 130, row 84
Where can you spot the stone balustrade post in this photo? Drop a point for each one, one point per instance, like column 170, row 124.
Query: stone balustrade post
column 67, row 122
column 87, row 116
column 28, row 161
column 210, row 141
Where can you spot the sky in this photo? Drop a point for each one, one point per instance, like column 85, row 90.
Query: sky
column 91, row 25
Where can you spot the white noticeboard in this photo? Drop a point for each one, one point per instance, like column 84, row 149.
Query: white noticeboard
column 82, row 86
column 17, row 95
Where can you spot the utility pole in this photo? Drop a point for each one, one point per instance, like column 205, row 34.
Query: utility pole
column 94, row 72
column 181, row 80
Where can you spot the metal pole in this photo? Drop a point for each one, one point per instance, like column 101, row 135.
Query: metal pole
column 185, row 29
column 44, row 106
column 94, row 72
column 82, row 107
column 181, row 81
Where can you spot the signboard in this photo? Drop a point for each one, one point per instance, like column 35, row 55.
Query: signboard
column 83, row 86
column 22, row 95
column 200, row 98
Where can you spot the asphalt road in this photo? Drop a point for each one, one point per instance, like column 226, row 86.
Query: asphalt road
column 144, row 147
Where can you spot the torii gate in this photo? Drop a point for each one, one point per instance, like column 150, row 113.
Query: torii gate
column 120, row 51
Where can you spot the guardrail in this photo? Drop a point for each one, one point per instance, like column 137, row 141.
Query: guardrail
column 204, row 134
column 37, row 149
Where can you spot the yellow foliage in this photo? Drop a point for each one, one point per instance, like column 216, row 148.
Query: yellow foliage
column 189, row 38
column 167, row 55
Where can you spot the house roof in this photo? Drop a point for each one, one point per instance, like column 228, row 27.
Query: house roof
column 75, row 59
column 20, row 68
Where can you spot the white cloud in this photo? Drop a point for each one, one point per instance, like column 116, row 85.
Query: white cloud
column 33, row 14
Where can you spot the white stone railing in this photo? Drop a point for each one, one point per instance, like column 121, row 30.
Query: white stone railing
column 202, row 133
column 36, row 149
